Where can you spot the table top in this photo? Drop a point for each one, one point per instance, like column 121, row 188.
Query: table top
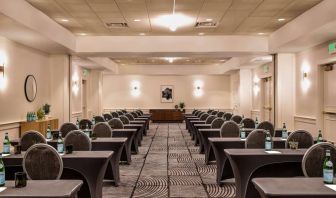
column 53, row 188
column 284, row 187
column 124, row 130
column 114, row 139
column 252, row 152
column 100, row 139
column 232, row 139
column 75, row 154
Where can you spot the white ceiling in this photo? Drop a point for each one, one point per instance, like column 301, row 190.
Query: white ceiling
column 238, row 17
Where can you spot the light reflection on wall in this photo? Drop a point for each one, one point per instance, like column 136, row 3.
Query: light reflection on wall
column 305, row 71
column 3, row 76
column 135, row 88
column 256, row 86
column 75, row 83
column 198, row 88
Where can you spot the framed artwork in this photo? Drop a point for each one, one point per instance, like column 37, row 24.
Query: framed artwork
column 167, row 93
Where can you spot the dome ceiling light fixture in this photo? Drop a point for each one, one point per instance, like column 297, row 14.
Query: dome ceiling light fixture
column 173, row 21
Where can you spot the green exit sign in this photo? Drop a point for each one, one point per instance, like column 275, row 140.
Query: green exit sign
column 332, row 48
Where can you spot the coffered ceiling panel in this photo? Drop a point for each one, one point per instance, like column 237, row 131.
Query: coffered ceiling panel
column 237, row 17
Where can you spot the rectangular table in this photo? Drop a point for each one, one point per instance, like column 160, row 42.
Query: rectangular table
column 205, row 146
column 129, row 134
column 138, row 136
column 292, row 188
column 166, row 115
column 89, row 165
column 43, row 189
column 224, row 170
column 102, row 144
column 249, row 163
column 106, row 144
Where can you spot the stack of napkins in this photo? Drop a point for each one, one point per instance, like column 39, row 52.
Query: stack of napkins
column 331, row 186
column 2, row 188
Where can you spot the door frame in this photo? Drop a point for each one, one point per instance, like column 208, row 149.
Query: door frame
column 320, row 85
column 84, row 97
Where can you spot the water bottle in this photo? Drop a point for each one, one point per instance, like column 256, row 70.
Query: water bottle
column 93, row 120
column 77, row 123
column 49, row 132
column 2, row 172
column 268, row 141
column 6, row 145
column 284, row 134
column 87, row 130
column 328, row 169
column 242, row 132
column 60, row 143
column 319, row 137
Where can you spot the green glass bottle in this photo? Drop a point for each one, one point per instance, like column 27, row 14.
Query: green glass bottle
column 2, row 172
column 268, row 141
column 87, row 130
column 242, row 131
column 284, row 134
column 93, row 120
column 48, row 132
column 77, row 123
column 60, row 143
column 328, row 169
column 6, row 145
column 319, row 137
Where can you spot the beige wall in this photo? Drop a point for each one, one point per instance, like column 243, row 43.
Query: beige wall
column 94, row 92
column 234, row 87
column 117, row 91
column 21, row 61
column 245, row 92
column 308, row 111
column 59, row 84
column 285, row 90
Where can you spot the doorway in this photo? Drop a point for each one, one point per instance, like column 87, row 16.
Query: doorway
column 84, row 99
column 267, row 99
column 328, row 81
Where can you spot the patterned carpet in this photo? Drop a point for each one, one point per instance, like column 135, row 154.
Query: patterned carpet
column 168, row 165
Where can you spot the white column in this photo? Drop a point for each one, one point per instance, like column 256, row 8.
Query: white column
column 59, row 87
column 245, row 92
column 285, row 87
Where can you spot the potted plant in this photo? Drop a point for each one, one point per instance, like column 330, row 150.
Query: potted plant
column 40, row 114
column 182, row 105
column 46, row 108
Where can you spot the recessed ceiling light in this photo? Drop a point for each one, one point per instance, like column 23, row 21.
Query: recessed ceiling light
column 201, row 33
column 223, row 60
column 281, row 19
column 208, row 19
column 261, row 33
column 82, row 34
column 142, row 34
column 137, row 20
column 64, row 20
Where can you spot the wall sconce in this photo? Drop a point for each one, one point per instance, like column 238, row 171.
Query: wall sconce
column 75, row 83
column 305, row 75
column 305, row 83
column 198, row 84
column 135, row 85
column 2, row 71
column 256, row 87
